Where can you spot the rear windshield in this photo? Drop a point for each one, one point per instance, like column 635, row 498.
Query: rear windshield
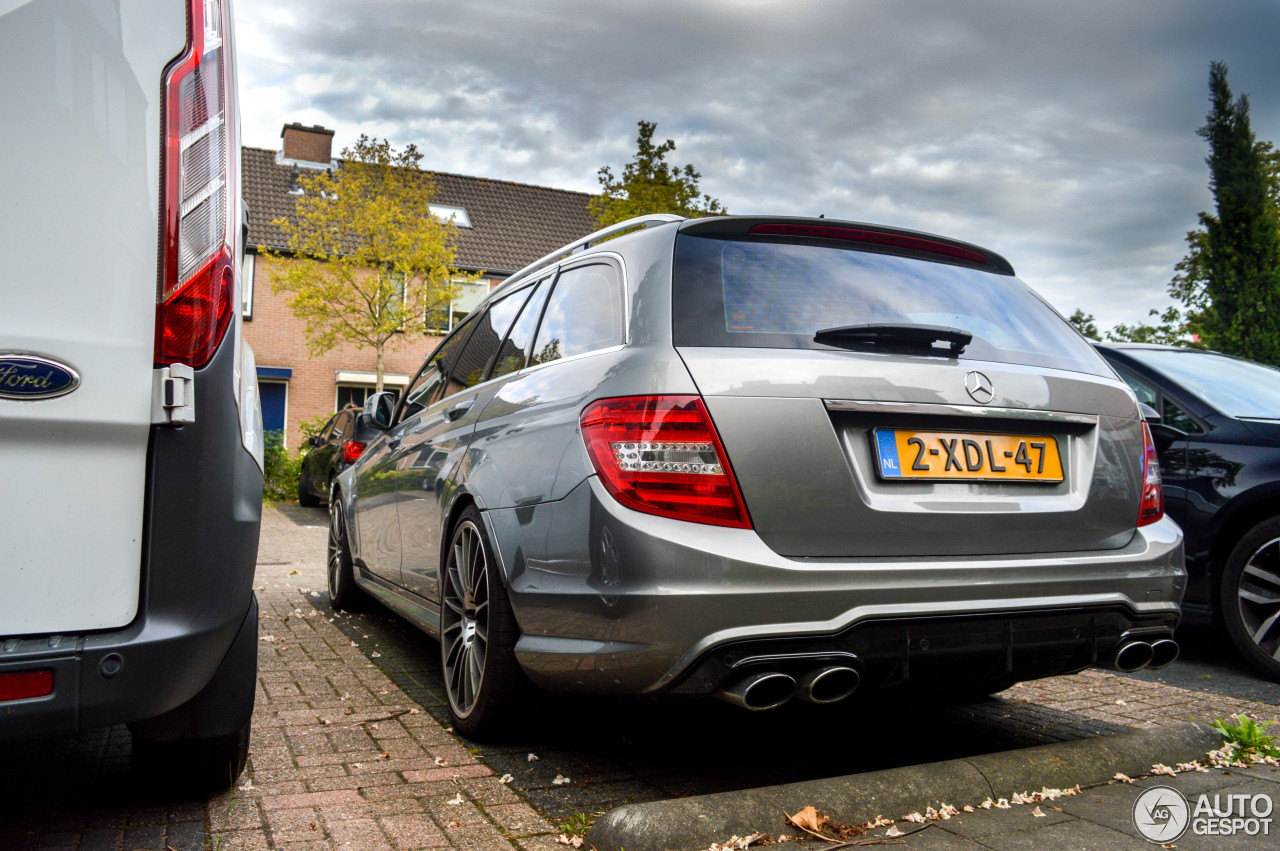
column 1237, row 388
column 770, row 294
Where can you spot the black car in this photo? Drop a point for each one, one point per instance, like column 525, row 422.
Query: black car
column 1218, row 439
column 336, row 447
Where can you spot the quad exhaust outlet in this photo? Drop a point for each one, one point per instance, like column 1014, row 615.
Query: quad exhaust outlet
column 770, row 689
column 1136, row 655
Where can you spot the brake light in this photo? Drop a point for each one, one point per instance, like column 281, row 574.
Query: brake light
column 661, row 455
column 351, row 450
column 195, row 297
column 25, row 684
column 871, row 237
column 1152, row 489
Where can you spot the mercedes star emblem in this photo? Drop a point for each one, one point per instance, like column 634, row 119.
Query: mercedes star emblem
column 979, row 387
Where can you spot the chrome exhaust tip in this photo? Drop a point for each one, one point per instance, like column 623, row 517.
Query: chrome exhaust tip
column 1163, row 652
column 758, row 692
column 828, row 685
column 1133, row 656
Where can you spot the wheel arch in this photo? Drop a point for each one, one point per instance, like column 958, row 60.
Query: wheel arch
column 460, row 502
column 1241, row 514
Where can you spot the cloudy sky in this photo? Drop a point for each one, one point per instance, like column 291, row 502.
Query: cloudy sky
column 1061, row 135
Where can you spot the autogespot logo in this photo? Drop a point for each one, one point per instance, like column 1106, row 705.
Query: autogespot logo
column 1162, row 814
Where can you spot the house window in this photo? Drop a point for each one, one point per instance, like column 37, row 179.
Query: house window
column 246, row 287
column 355, row 387
column 445, row 212
column 470, row 294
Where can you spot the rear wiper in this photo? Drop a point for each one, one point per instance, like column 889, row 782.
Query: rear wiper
column 919, row 339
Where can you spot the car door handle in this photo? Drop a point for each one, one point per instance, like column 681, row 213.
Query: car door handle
column 459, row 409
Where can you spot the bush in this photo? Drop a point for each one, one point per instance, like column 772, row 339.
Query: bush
column 280, row 473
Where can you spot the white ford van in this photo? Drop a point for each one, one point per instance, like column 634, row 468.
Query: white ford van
column 130, row 429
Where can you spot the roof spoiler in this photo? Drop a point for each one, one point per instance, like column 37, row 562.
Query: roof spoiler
column 880, row 237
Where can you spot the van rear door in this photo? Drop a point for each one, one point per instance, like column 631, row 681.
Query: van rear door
column 80, row 92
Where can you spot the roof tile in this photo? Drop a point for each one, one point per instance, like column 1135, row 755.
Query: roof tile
column 512, row 224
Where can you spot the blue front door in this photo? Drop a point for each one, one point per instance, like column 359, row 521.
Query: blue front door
column 274, row 395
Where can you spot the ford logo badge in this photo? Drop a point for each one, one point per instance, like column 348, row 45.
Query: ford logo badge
column 29, row 377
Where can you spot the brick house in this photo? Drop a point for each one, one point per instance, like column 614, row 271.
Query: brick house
column 502, row 227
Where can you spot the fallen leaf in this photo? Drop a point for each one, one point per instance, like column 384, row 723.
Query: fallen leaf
column 440, row 761
column 1038, row 813
column 560, row 780
column 293, row 573
column 1161, row 768
column 1123, row 778
column 808, row 819
column 533, row 757
column 893, row 831
column 915, row 818
column 506, row 778
column 456, row 799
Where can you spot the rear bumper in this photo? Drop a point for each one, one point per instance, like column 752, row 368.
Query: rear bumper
column 203, row 516
column 619, row 602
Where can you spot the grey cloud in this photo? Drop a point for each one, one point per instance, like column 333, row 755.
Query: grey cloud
column 1061, row 135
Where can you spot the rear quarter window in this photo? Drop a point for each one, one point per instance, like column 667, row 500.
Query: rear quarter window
column 767, row 293
column 583, row 314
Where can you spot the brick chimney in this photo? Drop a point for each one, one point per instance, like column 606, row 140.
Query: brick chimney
column 307, row 144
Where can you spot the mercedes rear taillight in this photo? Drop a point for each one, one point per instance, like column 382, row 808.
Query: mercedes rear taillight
column 1152, row 490
column 661, row 455
column 197, row 247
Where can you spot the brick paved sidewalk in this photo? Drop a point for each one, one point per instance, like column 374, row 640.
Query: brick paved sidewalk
column 341, row 758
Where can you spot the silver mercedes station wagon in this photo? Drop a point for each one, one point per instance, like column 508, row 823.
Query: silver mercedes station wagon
column 761, row 459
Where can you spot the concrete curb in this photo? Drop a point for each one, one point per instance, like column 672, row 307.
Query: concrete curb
column 696, row 822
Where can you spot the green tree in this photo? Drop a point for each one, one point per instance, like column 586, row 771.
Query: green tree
column 367, row 261
column 1170, row 329
column 1229, row 281
column 649, row 184
column 1085, row 324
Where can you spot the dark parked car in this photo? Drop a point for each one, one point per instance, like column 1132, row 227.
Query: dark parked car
column 1219, row 444
column 335, row 448
column 761, row 458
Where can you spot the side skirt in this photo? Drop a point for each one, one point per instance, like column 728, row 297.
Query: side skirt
column 419, row 612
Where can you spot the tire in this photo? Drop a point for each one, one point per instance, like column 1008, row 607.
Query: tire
column 198, row 766
column 344, row 594
column 1250, row 595
column 306, row 494
column 478, row 633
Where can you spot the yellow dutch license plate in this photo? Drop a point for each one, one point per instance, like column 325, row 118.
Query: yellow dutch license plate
column 951, row 455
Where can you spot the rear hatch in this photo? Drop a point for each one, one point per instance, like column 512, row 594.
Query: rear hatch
column 962, row 416
column 80, row 90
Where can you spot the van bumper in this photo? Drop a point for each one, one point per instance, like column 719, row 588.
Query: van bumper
column 203, row 517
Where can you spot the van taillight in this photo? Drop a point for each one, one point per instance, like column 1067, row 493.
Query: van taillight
column 661, row 455
column 1152, row 489
column 197, row 257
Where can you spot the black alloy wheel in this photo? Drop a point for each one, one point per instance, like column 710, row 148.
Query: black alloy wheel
column 343, row 592
column 477, row 633
column 1250, row 595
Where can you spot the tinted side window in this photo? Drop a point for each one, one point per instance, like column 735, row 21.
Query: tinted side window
column 1144, row 391
column 584, row 313
column 514, row 353
column 429, row 383
column 1178, row 418
column 473, row 363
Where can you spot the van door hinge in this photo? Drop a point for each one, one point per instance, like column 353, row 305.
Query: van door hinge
column 173, row 394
